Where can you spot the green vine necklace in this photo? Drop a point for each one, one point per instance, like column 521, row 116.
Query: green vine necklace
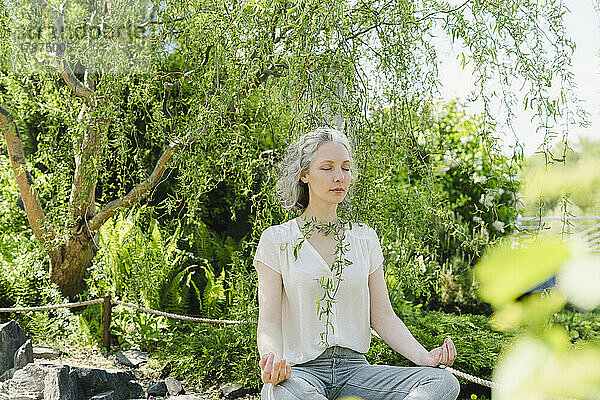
column 330, row 283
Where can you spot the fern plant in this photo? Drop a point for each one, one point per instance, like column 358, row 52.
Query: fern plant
column 5, row 294
column 148, row 266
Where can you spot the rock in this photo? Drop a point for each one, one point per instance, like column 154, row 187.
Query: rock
column 26, row 382
column 110, row 395
column 7, row 375
column 52, row 382
column 97, row 381
column 45, row 353
column 186, row 397
column 62, row 384
column 21, row 397
column 24, row 355
column 233, row 390
column 174, row 387
column 132, row 358
column 12, row 337
column 157, row 389
column 166, row 370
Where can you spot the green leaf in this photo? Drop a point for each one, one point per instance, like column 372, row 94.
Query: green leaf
column 513, row 268
column 533, row 311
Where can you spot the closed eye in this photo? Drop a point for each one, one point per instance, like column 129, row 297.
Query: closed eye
column 329, row 168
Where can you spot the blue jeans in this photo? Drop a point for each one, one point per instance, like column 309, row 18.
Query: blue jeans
column 341, row 372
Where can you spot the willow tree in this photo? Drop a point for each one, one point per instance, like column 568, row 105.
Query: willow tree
column 117, row 96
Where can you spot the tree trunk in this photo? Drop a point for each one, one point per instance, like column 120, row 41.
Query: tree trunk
column 68, row 268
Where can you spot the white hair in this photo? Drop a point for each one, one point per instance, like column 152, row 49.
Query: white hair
column 293, row 193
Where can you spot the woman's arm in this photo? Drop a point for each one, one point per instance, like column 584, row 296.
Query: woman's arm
column 393, row 331
column 269, row 340
column 269, row 311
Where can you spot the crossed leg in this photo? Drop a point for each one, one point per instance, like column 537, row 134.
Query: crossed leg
column 370, row 382
column 383, row 382
column 300, row 386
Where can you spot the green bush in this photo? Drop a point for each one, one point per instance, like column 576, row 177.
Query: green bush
column 210, row 354
column 180, row 269
column 580, row 327
column 477, row 344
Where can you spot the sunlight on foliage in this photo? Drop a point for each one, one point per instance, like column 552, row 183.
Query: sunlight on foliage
column 579, row 280
column 514, row 267
column 580, row 180
column 541, row 362
column 535, row 367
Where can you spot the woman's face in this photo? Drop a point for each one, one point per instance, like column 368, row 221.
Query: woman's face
column 329, row 175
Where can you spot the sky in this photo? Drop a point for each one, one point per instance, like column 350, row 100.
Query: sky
column 583, row 27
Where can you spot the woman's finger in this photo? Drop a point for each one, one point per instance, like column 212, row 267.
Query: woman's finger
column 453, row 352
column 438, row 358
column 288, row 371
column 265, row 376
column 263, row 361
column 269, row 364
column 275, row 372
column 446, row 356
column 450, row 346
column 282, row 370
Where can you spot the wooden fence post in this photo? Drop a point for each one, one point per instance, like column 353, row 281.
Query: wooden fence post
column 107, row 306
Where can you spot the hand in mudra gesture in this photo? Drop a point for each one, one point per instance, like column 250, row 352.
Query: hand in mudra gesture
column 273, row 372
column 443, row 355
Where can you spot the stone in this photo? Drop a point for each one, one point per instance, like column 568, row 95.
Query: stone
column 157, row 389
column 12, row 337
column 174, row 387
column 110, row 395
column 186, row 397
column 98, row 381
column 233, row 390
column 21, row 397
column 132, row 358
column 26, row 382
column 24, row 355
column 6, row 375
column 45, row 353
column 62, row 384
column 166, row 370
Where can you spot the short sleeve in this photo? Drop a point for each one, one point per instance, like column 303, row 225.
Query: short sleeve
column 267, row 251
column 375, row 252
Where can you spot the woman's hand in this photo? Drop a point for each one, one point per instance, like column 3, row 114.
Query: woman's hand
column 273, row 372
column 443, row 355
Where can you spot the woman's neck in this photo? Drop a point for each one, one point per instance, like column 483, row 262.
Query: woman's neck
column 322, row 215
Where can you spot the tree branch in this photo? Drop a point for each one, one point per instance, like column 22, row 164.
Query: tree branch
column 139, row 191
column 71, row 80
column 43, row 231
column 431, row 14
column 83, row 190
column 451, row 11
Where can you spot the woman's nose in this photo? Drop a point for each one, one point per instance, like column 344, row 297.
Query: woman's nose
column 339, row 175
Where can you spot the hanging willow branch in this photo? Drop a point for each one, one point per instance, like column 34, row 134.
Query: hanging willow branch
column 140, row 191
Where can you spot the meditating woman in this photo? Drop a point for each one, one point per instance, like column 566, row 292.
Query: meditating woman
column 321, row 287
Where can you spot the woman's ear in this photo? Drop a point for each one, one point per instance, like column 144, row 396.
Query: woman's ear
column 303, row 177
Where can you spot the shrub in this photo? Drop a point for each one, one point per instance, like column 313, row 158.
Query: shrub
column 478, row 345
column 210, row 354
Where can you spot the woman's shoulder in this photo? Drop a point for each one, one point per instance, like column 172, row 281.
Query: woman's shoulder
column 282, row 231
column 361, row 230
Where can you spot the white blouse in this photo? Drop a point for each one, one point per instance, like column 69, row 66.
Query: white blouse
column 301, row 327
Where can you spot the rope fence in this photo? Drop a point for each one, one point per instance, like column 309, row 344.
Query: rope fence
column 108, row 303
column 469, row 377
column 181, row 317
column 51, row 306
